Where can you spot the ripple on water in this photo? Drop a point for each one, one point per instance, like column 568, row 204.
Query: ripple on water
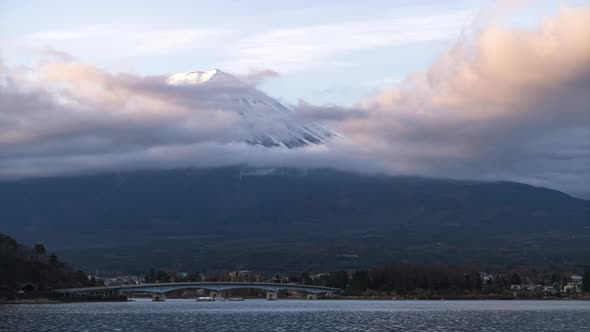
column 291, row 315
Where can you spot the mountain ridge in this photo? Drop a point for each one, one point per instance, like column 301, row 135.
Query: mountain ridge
column 294, row 219
column 273, row 125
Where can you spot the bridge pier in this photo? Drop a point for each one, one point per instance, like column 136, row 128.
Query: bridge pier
column 272, row 295
column 311, row 296
column 216, row 289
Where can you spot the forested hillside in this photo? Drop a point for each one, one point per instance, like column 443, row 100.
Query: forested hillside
column 292, row 219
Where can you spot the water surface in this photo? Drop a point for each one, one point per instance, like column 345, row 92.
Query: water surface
column 300, row 315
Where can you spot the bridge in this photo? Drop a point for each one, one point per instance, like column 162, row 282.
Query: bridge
column 158, row 290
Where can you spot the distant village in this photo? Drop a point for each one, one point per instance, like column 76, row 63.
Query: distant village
column 33, row 273
column 408, row 282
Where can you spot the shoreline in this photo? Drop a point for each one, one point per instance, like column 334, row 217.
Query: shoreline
column 58, row 299
column 30, row 301
column 48, row 301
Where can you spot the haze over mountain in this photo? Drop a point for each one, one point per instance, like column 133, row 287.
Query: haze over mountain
column 287, row 219
column 495, row 100
column 271, row 123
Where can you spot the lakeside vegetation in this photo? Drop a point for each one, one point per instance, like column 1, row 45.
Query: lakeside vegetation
column 25, row 270
column 218, row 218
column 416, row 281
column 30, row 273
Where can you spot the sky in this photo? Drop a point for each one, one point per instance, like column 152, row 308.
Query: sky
column 488, row 90
column 332, row 52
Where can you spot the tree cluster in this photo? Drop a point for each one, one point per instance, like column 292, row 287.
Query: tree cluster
column 403, row 279
column 31, row 269
column 434, row 279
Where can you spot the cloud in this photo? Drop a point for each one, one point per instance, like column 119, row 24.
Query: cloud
column 327, row 113
column 508, row 104
column 503, row 104
column 256, row 76
column 69, row 108
column 55, row 55
column 89, row 42
column 312, row 46
column 284, row 47
column 67, row 117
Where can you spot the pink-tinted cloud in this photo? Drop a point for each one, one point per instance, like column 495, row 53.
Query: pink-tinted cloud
column 504, row 104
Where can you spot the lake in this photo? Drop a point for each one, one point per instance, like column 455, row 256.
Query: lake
column 299, row 315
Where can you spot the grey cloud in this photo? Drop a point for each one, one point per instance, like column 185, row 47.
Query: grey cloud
column 75, row 118
column 327, row 113
column 125, row 114
column 507, row 105
column 255, row 77
column 517, row 114
column 56, row 54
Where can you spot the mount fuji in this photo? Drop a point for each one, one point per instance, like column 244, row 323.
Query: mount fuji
column 267, row 122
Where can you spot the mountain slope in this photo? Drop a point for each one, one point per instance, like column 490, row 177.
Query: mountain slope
column 288, row 219
column 271, row 124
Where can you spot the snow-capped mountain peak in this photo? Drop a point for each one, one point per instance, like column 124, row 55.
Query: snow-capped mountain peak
column 199, row 77
column 269, row 122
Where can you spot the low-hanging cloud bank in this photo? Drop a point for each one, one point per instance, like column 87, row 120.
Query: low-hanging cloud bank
column 66, row 117
column 506, row 104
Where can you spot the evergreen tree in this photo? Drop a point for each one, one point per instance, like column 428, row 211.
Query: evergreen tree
column 306, row 279
column 515, row 279
column 8, row 245
column 360, row 280
column 478, row 281
column 338, row 280
column 53, row 259
column 40, row 249
column 586, row 281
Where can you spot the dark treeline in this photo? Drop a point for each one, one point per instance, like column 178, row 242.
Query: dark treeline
column 162, row 276
column 402, row 279
column 418, row 280
column 32, row 269
column 27, row 269
column 428, row 279
column 157, row 275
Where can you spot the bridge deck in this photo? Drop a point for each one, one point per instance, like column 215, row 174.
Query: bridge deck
column 213, row 286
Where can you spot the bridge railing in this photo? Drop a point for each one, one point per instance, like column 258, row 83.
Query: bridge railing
column 213, row 286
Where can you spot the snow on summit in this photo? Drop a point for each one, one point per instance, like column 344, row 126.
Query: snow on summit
column 269, row 122
column 198, row 77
